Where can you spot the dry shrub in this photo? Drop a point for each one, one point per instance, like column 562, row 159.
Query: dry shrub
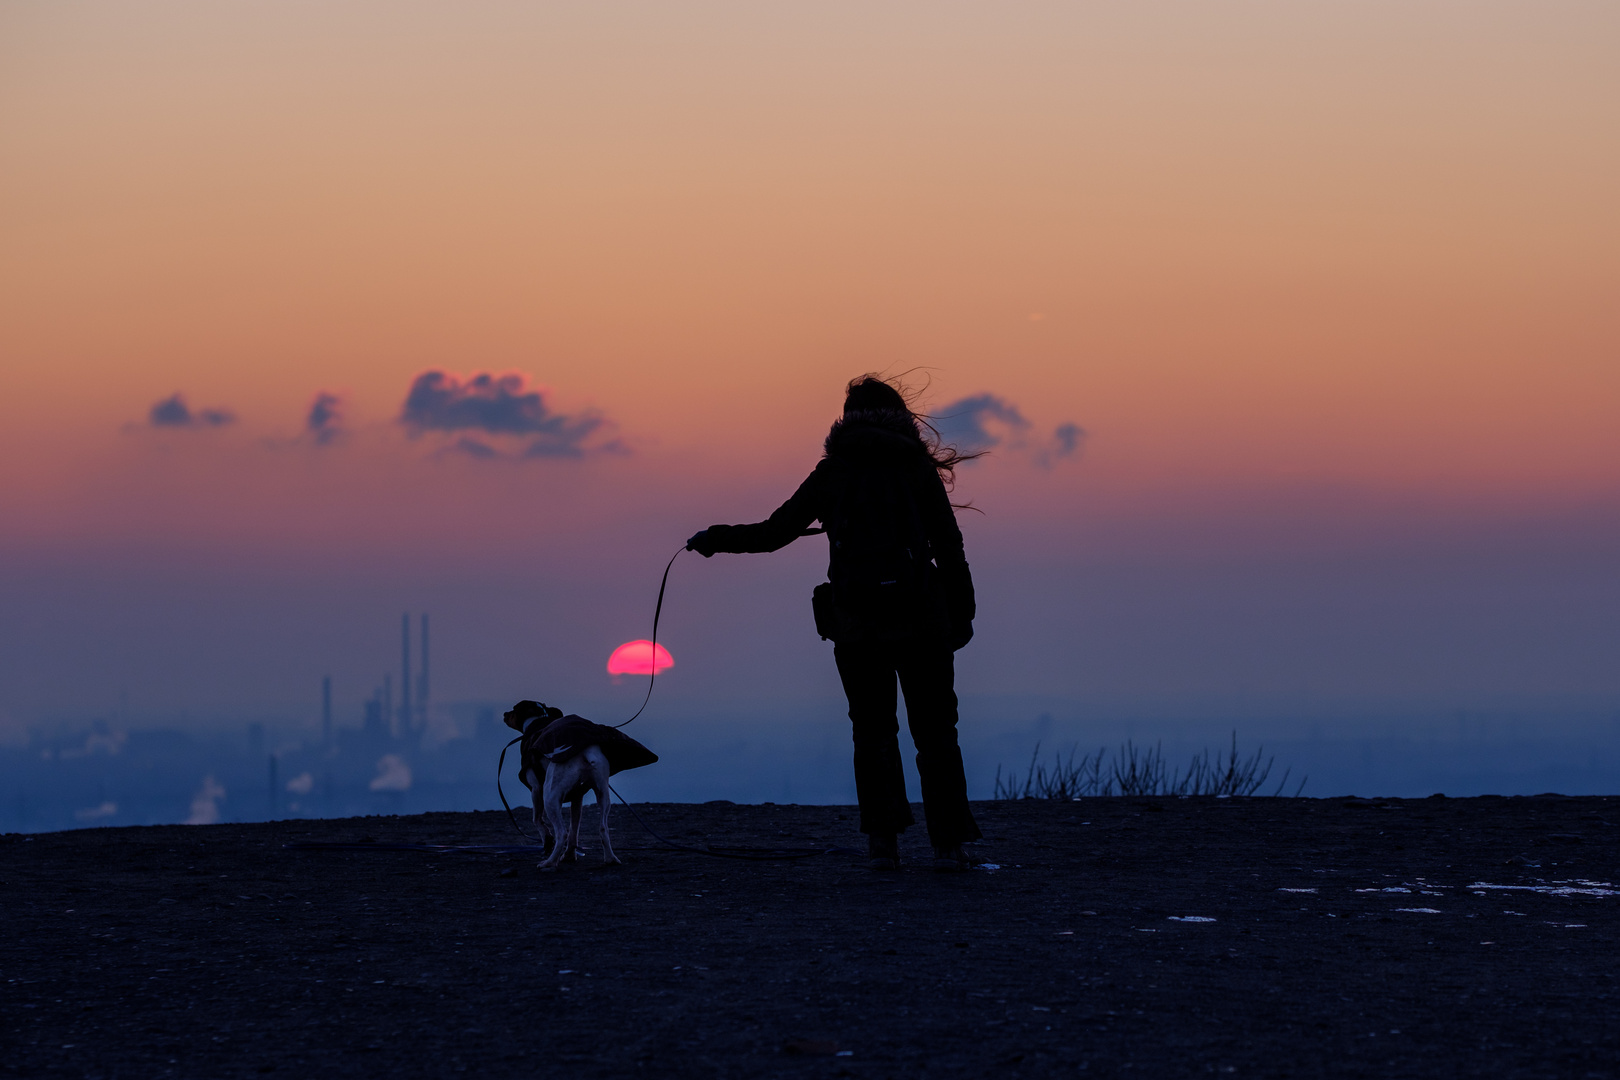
column 1134, row 771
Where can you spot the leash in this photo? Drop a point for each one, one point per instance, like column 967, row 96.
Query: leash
column 499, row 767
column 658, row 612
column 734, row 853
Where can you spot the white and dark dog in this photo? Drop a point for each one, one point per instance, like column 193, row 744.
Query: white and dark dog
column 563, row 758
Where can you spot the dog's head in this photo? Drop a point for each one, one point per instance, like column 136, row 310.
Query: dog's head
column 518, row 716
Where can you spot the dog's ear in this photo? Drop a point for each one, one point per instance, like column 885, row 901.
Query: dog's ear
column 553, row 713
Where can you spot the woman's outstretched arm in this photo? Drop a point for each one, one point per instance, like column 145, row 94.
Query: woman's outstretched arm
column 775, row 532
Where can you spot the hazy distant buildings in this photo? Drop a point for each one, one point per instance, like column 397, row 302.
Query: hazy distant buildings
column 376, row 722
column 382, row 718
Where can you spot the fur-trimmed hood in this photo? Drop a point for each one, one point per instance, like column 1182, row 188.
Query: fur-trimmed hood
column 866, row 432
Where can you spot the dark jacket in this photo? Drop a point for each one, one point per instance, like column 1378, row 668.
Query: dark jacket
column 561, row 740
column 896, row 564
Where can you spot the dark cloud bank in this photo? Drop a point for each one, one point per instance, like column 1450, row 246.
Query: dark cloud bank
column 173, row 412
column 984, row 421
column 325, row 420
column 505, row 407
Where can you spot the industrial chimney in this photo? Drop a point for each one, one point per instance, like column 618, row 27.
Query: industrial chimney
column 422, row 687
column 326, row 711
column 406, row 717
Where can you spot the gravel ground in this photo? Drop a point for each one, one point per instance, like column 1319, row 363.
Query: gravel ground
column 1166, row 937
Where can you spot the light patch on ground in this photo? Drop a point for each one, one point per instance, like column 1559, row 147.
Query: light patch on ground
column 1577, row 887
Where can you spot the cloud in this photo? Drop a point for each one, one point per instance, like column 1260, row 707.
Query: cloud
column 173, row 412
column 325, row 420
column 205, row 804
column 474, row 448
column 548, row 446
column 96, row 813
column 984, row 421
column 1067, row 441
column 504, row 407
column 968, row 424
column 99, row 741
column 1068, row 438
column 392, row 774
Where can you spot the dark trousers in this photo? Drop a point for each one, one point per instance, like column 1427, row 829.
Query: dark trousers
column 927, row 675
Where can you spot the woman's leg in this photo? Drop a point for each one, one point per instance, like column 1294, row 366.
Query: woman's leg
column 880, row 781
column 928, row 677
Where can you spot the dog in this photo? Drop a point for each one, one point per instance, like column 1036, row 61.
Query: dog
column 563, row 758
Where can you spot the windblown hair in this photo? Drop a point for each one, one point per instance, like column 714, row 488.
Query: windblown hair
column 891, row 399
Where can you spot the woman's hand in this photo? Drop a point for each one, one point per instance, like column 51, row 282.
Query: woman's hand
column 702, row 543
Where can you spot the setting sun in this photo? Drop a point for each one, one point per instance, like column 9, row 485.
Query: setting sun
column 640, row 657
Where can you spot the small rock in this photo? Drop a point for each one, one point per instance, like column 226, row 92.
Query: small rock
column 810, row 1048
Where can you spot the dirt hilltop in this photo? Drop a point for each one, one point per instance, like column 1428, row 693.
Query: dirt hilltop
column 1244, row 937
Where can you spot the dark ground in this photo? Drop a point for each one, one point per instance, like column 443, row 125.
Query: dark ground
column 214, row 951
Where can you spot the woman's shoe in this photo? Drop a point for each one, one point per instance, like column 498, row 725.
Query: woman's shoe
column 883, row 852
column 950, row 860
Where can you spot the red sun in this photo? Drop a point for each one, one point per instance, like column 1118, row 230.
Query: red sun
column 639, row 658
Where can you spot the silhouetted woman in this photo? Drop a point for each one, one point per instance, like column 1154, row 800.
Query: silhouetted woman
column 898, row 603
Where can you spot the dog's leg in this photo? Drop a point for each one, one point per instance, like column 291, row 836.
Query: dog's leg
column 604, row 802
column 560, row 779
column 536, row 786
column 606, row 805
column 574, row 808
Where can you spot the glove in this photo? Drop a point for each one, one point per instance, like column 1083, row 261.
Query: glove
column 702, row 543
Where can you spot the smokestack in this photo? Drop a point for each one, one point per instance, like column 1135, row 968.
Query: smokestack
column 405, row 717
column 376, row 724
column 422, row 686
column 326, row 711
column 388, row 702
column 272, row 785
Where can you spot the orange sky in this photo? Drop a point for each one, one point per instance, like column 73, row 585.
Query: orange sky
column 1364, row 243
column 1251, row 248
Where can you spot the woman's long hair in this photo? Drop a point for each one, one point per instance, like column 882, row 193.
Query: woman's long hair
column 874, row 393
